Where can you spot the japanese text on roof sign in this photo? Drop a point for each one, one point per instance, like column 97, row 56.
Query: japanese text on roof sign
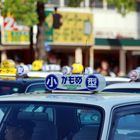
column 71, row 80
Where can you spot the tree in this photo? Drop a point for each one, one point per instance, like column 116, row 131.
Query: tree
column 28, row 12
column 124, row 6
column 74, row 3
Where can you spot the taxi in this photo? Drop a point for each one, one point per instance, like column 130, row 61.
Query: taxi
column 40, row 70
column 113, row 80
column 132, row 86
column 23, row 85
column 74, row 109
column 14, row 79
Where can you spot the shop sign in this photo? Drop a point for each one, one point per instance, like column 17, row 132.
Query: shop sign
column 65, row 27
column 13, row 33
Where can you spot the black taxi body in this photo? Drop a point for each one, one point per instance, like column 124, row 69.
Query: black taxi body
column 22, row 85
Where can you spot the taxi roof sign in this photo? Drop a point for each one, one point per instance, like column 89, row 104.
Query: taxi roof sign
column 134, row 74
column 8, row 64
column 22, row 70
column 7, row 68
column 77, row 68
column 75, row 82
column 37, row 65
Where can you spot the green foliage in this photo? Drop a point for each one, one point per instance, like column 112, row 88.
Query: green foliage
column 23, row 11
column 74, row 3
column 0, row 4
column 43, row 1
column 124, row 6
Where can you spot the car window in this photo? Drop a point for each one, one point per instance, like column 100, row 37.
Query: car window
column 36, row 87
column 55, row 121
column 126, row 124
column 114, row 82
column 3, row 111
column 89, row 117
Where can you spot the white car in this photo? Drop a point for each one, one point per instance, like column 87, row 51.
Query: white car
column 71, row 111
column 74, row 116
column 113, row 80
column 131, row 87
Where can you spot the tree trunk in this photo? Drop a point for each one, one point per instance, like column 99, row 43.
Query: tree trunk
column 40, row 49
column 31, row 46
column 40, row 52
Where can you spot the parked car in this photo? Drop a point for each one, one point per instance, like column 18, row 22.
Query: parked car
column 72, row 110
column 73, row 115
column 22, row 85
column 113, row 80
column 131, row 87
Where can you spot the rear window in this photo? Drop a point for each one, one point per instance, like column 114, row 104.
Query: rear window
column 9, row 89
column 35, row 87
column 54, row 121
column 133, row 90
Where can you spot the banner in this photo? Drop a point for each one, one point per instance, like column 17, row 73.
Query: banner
column 68, row 27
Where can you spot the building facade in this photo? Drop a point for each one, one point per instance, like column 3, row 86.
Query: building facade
column 116, row 39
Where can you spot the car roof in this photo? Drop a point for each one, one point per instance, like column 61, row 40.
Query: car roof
column 41, row 74
column 130, row 85
column 109, row 78
column 22, row 81
column 105, row 100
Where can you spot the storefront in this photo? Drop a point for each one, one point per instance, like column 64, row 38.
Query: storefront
column 15, row 41
column 122, row 53
column 67, row 55
column 69, row 36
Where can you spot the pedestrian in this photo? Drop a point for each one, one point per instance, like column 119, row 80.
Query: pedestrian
column 105, row 69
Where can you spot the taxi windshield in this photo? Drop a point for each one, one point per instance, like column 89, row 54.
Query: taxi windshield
column 53, row 121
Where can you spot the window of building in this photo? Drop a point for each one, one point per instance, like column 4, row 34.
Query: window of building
column 53, row 2
column 96, row 3
column 138, row 6
column 110, row 6
column 66, row 2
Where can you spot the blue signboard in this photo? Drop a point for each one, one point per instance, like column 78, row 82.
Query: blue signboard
column 92, row 82
column 51, row 82
column 76, row 82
